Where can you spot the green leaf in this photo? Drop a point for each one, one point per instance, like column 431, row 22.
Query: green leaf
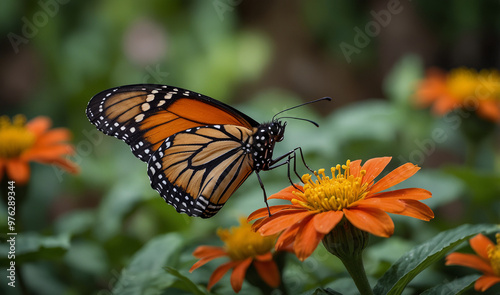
column 326, row 291
column 145, row 273
column 400, row 83
column 32, row 246
column 185, row 283
column 420, row 257
column 457, row 287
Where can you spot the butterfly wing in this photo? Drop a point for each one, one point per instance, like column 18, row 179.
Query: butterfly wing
column 144, row 115
column 198, row 169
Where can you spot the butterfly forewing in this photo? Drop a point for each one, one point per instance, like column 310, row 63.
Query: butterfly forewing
column 197, row 170
column 145, row 115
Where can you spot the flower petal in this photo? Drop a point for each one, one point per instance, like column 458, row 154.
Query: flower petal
column 485, row 282
column 262, row 212
column 286, row 193
column 238, row 275
column 269, row 272
column 219, row 272
column 374, row 167
column 406, row 193
column 307, row 239
column 469, row 260
column 396, row 176
column 39, row 125
column 355, row 167
column 54, row 136
column 371, row 220
column 324, row 222
column 277, row 223
column 206, row 251
column 47, row 153
column 416, row 209
column 287, row 238
column 207, row 254
column 264, row 257
column 388, row 205
column 480, row 244
column 18, row 170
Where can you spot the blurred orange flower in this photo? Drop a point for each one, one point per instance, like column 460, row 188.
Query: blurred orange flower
column 21, row 143
column 318, row 206
column 487, row 261
column 461, row 88
column 243, row 247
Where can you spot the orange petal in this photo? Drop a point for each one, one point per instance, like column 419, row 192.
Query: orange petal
column 264, row 257
column 269, row 272
column 485, row 282
column 39, row 125
column 444, row 104
column 262, row 212
column 387, row 205
column 287, row 238
column 416, row 209
column 277, row 223
column 219, row 272
column 238, row 275
column 374, row 167
column 205, row 251
column 469, row 260
column 480, row 244
column 324, row 222
column 396, row 176
column 286, row 193
column 54, row 136
column 18, row 170
column 355, row 167
column 489, row 109
column 63, row 163
column 45, row 153
column 406, row 193
column 307, row 239
column 371, row 220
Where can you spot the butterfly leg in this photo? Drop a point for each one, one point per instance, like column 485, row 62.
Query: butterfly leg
column 264, row 191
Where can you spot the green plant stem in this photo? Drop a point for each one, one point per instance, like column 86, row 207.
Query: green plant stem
column 354, row 266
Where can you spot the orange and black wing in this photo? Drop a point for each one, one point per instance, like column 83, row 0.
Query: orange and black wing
column 197, row 170
column 144, row 115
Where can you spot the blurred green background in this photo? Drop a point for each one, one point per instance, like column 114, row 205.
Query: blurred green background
column 83, row 232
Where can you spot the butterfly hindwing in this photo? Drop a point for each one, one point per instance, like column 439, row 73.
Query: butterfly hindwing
column 198, row 169
column 144, row 115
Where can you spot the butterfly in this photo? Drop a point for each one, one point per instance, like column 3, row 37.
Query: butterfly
column 198, row 150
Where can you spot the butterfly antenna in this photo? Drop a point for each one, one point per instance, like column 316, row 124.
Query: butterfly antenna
column 302, row 104
column 302, row 119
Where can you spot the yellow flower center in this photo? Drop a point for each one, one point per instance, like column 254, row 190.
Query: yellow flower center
column 331, row 194
column 14, row 137
column 242, row 242
column 462, row 83
column 494, row 256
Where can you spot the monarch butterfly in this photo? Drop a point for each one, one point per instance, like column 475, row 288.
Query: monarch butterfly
column 198, row 150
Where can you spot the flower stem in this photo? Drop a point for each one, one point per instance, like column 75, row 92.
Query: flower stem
column 354, row 266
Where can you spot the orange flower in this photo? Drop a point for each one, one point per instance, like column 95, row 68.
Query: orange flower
column 320, row 205
column 21, row 143
column 243, row 247
column 487, row 260
column 461, row 88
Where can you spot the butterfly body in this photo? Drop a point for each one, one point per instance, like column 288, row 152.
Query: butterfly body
column 198, row 150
